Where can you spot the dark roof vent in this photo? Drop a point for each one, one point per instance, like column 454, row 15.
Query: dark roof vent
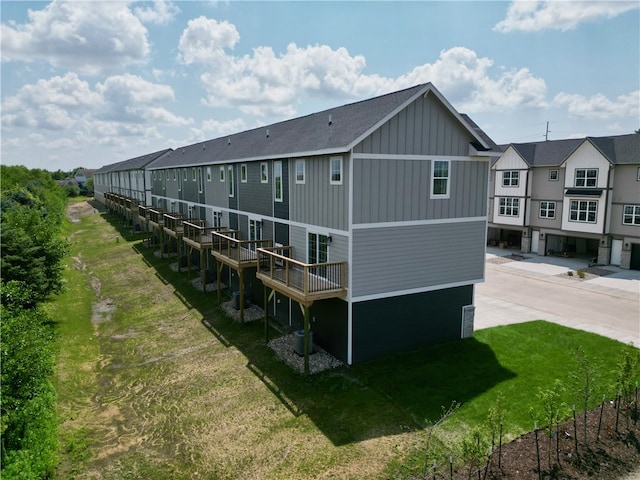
column 330, row 119
column 204, row 146
column 228, row 140
column 267, row 133
column 183, row 151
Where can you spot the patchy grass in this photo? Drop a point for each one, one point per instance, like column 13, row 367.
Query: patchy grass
column 154, row 381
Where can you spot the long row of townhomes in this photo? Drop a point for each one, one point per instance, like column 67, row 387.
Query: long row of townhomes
column 367, row 224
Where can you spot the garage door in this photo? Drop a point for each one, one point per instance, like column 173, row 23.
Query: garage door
column 616, row 252
column 635, row 256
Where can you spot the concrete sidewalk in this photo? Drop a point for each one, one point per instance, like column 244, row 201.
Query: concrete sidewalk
column 525, row 287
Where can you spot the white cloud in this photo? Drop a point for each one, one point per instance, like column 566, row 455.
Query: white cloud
column 160, row 13
column 530, row 16
column 599, row 106
column 205, row 41
column 88, row 37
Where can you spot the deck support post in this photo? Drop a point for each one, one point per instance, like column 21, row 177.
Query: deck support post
column 241, row 281
column 306, row 339
column 219, row 271
column 203, row 270
column 266, row 321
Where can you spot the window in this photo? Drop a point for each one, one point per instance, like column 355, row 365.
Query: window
column 154, row 175
column 553, row 175
column 583, row 211
column 300, row 171
column 638, row 176
column 277, row 180
column 318, row 252
column 200, row 182
column 335, row 171
column 509, row 207
column 243, row 173
column 631, row 215
column 264, row 172
column 193, row 174
column 208, row 174
column 217, row 219
column 255, row 232
column 222, row 174
column 586, row 177
column 174, row 174
column 230, row 182
column 547, row 209
column 440, row 179
column 510, row 178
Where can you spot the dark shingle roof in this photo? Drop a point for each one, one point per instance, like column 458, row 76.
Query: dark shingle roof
column 330, row 131
column 619, row 150
column 133, row 163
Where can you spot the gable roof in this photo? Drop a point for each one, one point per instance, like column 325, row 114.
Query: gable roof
column 335, row 130
column 135, row 163
column 619, row 149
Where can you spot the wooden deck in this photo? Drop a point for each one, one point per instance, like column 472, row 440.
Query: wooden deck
column 235, row 253
column 302, row 282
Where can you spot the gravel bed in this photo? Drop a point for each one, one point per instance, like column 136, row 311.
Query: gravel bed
column 252, row 313
column 209, row 287
column 318, row 361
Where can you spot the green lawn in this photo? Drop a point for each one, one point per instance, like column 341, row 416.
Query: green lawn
column 155, row 382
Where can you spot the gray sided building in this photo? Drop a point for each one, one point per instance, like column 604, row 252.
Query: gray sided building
column 393, row 189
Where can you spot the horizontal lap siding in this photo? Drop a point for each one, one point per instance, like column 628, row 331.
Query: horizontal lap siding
column 399, row 190
column 387, row 260
column 400, row 323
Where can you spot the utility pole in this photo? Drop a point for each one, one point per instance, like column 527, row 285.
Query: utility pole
column 546, row 133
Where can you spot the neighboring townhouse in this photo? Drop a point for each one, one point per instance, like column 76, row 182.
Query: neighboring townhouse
column 575, row 197
column 377, row 208
column 82, row 175
column 128, row 178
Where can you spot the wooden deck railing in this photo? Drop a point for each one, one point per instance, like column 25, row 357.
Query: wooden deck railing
column 198, row 233
column 156, row 215
column 228, row 248
column 143, row 212
column 174, row 222
column 308, row 281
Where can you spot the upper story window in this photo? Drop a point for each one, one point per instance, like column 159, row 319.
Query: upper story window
column 586, row 177
column 300, row 171
column 264, row 172
column 277, row 180
column 222, row 174
column 193, row 174
column 184, row 174
column 200, row 182
column 631, row 215
column 243, row 173
column 511, row 178
column 553, row 175
column 174, row 174
column 335, row 173
column 638, row 176
column 208, row 174
column 509, row 207
column 230, row 181
column 547, row 209
column 440, row 179
column 583, row 211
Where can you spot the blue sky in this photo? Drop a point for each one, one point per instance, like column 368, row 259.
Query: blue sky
column 92, row 83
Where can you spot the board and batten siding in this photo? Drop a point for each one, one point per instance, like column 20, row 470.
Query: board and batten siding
column 424, row 127
column 316, row 201
column 387, row 190
column 388, row 260
column 254, row 196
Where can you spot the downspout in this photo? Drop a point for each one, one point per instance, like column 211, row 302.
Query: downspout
column 524, row 210
column 606, row 203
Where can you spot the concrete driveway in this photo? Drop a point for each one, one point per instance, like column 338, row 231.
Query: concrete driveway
column 538, row 288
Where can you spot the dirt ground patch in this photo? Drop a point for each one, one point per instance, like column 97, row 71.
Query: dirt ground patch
column 81, row 209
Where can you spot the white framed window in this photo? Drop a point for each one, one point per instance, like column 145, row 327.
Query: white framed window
column 631, row 215
column 584, row 211
column 174, row 174
column 440, row 179
column 638, row 176
column 300, row 171
column 547, row 209
column 335, row 171
column 154, row 175
column 193, row 174
column 208, row 174
column 230, row 181
column 586, row 177
column 509, row 207
column 277, row 180
column 553, row 175
column 511, row 178
column 264, row 172
column 200, row 180
column 217, row 219
column 243, row 173
column 222, row 177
